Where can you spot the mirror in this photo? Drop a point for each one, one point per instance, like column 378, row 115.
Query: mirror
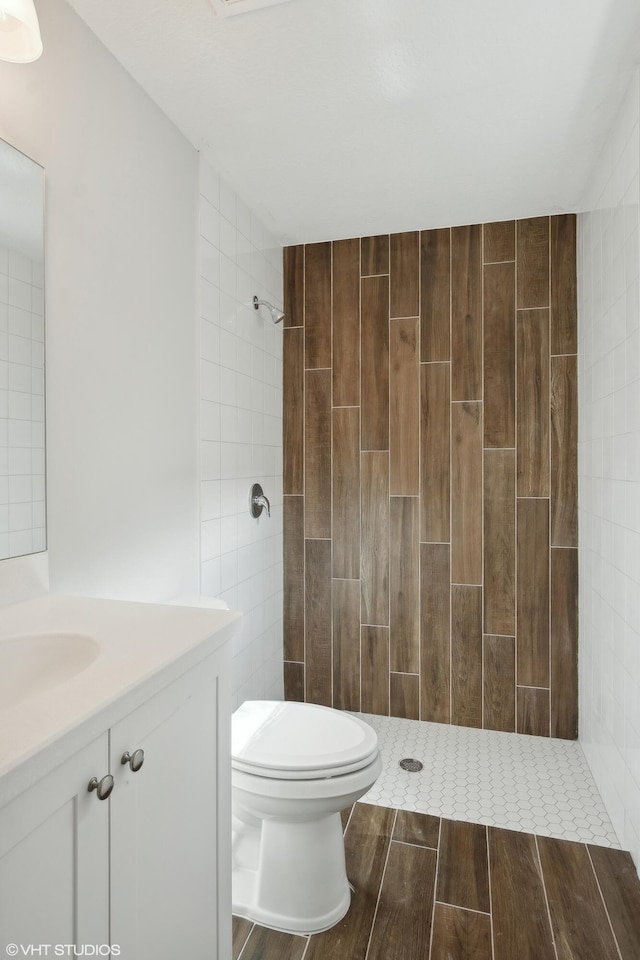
column 22, row 422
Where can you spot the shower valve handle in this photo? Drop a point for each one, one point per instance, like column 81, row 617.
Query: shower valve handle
column 258, row 502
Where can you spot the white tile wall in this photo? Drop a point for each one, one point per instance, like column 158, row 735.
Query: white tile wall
column 241, row 430
column 609, row 472
column 22, row 459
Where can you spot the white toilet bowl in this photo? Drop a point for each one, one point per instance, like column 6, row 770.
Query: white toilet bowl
column 295, row 766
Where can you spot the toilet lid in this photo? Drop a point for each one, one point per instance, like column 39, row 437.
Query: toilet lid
column 273, row 738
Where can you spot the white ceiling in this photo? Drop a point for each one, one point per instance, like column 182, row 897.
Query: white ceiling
column 338, row 118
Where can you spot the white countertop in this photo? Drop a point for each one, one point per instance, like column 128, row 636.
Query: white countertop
column 138, row 642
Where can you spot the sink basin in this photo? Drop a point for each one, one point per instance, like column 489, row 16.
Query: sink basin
column 34, row 663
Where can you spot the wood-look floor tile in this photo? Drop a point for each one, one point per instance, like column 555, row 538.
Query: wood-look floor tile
column 344, row 816
column 374, row 670
column 293, row 602
column 402, row 928
column 521, row 927
column 532, row 711
column 317, row 454
column 404, row 272
column 318, row 684
column 265, row 944
column 533, row 262
column 404, row 695
column 419, row 828
column 564, row 326
column 466, row 492
column 374, row 548
column 404, row 584
column 545, row 901
column 404, row 408
column 241, row 930
column 499, row 299
column 466, row 655
column 564, row 451
column 317, row 305
column 466, row 313
column 463, row 867
column 346, row 644
column 460, row 934
column 345, row 485
column 293, row 284
column 564, row 643
column 435, row 632
column 499, row 684
column 435, row 452
column 533, row 403
column 499, row 241
column 374, row 257
column 435, row 298
column 580, row 923
column 366, row 846
column 294, row 681
column 293, row 410
column 618, row 879
column 374, row 347
column 500, row 542
column 346, row 322
column 533, row 592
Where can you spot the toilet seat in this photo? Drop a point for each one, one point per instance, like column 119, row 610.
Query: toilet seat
column 299, row 741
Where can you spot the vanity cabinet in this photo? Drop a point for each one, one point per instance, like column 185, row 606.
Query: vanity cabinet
column 167, row 844
column 54, row 855
column 145, row 869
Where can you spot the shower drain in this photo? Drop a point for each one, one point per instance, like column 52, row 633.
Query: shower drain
column 411, row 765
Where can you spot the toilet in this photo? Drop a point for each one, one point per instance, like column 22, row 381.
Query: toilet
column 294, row 767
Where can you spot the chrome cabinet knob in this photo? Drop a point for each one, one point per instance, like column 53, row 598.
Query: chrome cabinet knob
column 135, row 759
column 102, row 787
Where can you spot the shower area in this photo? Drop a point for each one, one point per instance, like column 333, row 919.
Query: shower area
column 430, row 475
column 413, row 421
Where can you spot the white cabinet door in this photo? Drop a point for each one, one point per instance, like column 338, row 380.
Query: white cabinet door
column 167, row 841
column 54, row 855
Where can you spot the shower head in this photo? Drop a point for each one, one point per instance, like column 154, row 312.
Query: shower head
column 276, row 315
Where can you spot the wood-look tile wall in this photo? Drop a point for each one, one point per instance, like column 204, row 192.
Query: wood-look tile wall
column 430, row 475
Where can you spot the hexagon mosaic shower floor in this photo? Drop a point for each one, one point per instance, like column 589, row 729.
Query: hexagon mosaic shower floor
column 508, row 780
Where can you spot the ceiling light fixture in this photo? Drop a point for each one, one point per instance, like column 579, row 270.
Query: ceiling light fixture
column 20, row 40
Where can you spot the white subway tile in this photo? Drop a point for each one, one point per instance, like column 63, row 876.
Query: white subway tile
column 210, row 223
column 209, row 341
column 210, row 499
column 210, row 578
column 209, row 262
column 609, row 459
column 234, row 342
column 210, row 539
column 209, row 420
column 227, row 202
column 210, row 460
column 210, row 377
column 19, row 294
column 209, row 302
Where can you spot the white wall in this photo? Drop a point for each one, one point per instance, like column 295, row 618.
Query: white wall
column 121, row 323
column 609, row 473
column 241, row 430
